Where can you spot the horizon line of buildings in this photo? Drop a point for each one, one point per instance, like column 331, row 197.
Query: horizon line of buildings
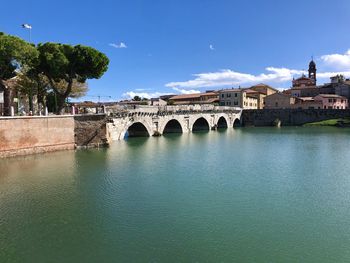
column 304, row 94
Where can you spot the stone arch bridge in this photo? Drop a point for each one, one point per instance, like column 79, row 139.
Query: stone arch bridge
column 154, row 121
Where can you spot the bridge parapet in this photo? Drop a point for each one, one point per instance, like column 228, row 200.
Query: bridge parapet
column 122, row 110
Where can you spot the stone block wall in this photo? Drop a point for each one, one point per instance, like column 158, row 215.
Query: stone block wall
column 290, row 117
column 90, row 131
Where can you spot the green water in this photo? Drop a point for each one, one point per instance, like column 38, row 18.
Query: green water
column 244, row 195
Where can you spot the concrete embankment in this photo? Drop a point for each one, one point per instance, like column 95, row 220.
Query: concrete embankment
column 290, row 117
column 39, row 134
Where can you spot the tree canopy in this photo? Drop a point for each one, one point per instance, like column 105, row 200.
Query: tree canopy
column 61, row 68
column 15, row 53
column 61, row 62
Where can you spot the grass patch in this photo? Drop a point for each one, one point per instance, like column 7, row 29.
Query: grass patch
column 333, row 122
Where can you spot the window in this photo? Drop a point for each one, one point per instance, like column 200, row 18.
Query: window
column 236, row 95
column 222, row 95
column 228, row 95
column 330, row 100
column 276, row 104
column 235, row 103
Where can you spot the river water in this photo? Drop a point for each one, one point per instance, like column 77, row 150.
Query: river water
column 243, row 195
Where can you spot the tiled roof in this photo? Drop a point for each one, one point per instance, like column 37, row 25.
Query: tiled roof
column 279, row 94
column 193, row 96
column 251, row 91
column 185, row 96
column 331, row 96
column 262, row 85
column 232, row 90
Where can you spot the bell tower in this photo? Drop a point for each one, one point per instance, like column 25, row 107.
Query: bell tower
column 312, row 70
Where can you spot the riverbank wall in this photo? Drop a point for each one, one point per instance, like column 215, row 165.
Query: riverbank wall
column 290, row 117
column 90, row 131
column 40, row 134
column 29, row 135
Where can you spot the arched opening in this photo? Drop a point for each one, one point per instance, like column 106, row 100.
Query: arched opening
column 222, row 123
column 237, row 123
column 173, row 126
column 137, row 130
column 200, row 124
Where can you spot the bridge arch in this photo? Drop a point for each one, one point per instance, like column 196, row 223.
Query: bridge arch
column 236, row 123
column 222, row 122
column 201, row 124
column 173, row 126
column 138, row 129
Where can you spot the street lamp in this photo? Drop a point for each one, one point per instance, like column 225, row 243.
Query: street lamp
column 27, row 26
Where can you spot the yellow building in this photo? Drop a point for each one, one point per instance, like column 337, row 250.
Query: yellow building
column 238, row 98
column 260, row 91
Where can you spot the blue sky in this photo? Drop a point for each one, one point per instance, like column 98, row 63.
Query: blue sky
column 180, row 46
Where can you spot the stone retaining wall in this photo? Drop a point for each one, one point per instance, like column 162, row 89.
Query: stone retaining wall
column 290, row 117
column 90, row 131
column 28, row 135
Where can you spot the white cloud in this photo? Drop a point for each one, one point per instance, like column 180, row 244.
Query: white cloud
column 185, row 91
column 120, row 45
column 147, row 95
column 229, row 78
column 327, row 75
column 337, row 61
column 141, row 93
column 211, row 47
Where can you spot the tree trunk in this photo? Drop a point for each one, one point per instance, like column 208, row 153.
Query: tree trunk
column 7, row 99
column 61, row 99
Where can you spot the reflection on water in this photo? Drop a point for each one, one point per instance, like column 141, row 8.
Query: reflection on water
column 244, row 195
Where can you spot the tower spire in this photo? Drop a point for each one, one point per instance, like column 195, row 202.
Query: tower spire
column 312, row 70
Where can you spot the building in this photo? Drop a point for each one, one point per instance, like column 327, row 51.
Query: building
column 260, row 91
column 304, row 81
column 279, row 101
column 256, row 94
column 306, row 86
column 264, row 89
column 195, row 98
column 307, row 103
column 157, row 102
column 243, row 98
column 8, row 97
column 332, row 101
column 166, row 97
column 341, row 86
